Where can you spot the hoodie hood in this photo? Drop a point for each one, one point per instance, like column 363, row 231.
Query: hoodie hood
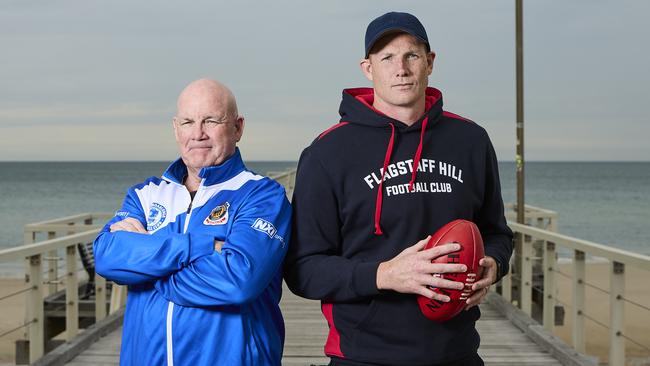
column 356, row 107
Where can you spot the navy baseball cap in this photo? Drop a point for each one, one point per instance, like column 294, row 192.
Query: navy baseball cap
column 391, row 22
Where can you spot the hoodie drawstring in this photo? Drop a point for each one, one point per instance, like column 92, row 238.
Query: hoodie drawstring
column 380, row 192
column 418, row 155
column 416, row 163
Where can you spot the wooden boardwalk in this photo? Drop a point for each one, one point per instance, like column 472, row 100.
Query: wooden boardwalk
column 501, row 342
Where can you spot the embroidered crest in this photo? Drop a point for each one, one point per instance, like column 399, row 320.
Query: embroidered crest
column 218, row 215
column 156, row 217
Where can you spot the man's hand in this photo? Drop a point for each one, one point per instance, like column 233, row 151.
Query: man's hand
column 129, row 224
column 481, row 288
column 411, row 271
column 217, row 245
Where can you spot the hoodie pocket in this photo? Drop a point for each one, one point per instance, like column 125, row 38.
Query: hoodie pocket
column 394, row 331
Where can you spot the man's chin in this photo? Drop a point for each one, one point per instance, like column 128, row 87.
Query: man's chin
column 197, row 163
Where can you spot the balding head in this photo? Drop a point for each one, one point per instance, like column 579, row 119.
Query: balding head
column 206, row 91
column 207, row 125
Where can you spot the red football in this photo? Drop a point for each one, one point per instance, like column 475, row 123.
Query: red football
column 468, row 236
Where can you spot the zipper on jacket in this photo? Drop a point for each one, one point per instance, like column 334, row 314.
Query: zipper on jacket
column 189, row 208
column 170, row 305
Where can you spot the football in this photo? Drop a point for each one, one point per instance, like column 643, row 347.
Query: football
column 465, row 233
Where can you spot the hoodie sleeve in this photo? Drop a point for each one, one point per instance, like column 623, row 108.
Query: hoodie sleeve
column 497, row 236
column 314, row 267
column 250, row 258
column 131, row 258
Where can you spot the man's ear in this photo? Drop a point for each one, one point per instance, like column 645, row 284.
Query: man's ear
column 430, row 57
column 366, row 67
column 174, row 125
column 239, row 127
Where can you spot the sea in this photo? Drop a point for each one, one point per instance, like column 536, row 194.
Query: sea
column 604, row 202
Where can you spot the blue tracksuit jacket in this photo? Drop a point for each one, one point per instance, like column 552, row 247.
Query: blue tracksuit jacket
column 188, row 304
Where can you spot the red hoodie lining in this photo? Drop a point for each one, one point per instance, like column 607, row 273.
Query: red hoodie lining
column 380, row 191
column 340, row 124
column 454, row 115
column 418, row 154
column 369, row 99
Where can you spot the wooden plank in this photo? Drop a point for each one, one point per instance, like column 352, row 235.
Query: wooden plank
column 71, row 294
column 502, row 343
column 616, row 314
column 579, row 296
column 35, row 309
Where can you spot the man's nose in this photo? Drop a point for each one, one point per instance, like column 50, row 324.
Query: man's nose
column 402, row 68
column 198, row 131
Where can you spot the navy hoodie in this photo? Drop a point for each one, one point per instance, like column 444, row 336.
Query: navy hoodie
column 368, row 188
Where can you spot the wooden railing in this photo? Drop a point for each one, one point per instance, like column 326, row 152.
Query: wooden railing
column 61, row 235
column 287, row 179
column 539, row 245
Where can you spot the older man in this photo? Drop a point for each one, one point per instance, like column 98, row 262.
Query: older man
column 200, row 248
column 368, row 193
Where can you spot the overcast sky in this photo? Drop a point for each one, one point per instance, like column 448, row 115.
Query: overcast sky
column 98, row 80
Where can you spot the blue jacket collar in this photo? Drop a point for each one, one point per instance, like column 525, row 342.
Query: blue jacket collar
column 215, row 174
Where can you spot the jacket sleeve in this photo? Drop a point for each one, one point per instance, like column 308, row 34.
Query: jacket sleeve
column 314, row 267
column 249, row 259
column 497, row 236
column 131, row 258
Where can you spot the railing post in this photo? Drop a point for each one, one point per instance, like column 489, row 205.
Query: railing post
column 118, row 298
column 549, row 286
column 52, row 267
column 506, row 286
column 617, row 315
column 100, row 298
column 35, row 312
column 71, row 293
column 552, row 222
column 579, row 301
column 526, row 285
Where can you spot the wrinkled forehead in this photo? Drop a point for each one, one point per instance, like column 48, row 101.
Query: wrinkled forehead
column 201, row 103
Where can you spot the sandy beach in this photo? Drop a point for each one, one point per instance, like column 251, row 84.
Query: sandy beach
column 11, row 316
column 637, row 320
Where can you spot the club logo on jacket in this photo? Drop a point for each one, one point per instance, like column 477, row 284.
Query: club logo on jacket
column 156, row 216
column 218, row 215
column 438, row 169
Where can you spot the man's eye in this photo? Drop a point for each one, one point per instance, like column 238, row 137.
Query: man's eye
column 212, row 122
column 386, row 58
column 186, row 123
column 413, row 56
